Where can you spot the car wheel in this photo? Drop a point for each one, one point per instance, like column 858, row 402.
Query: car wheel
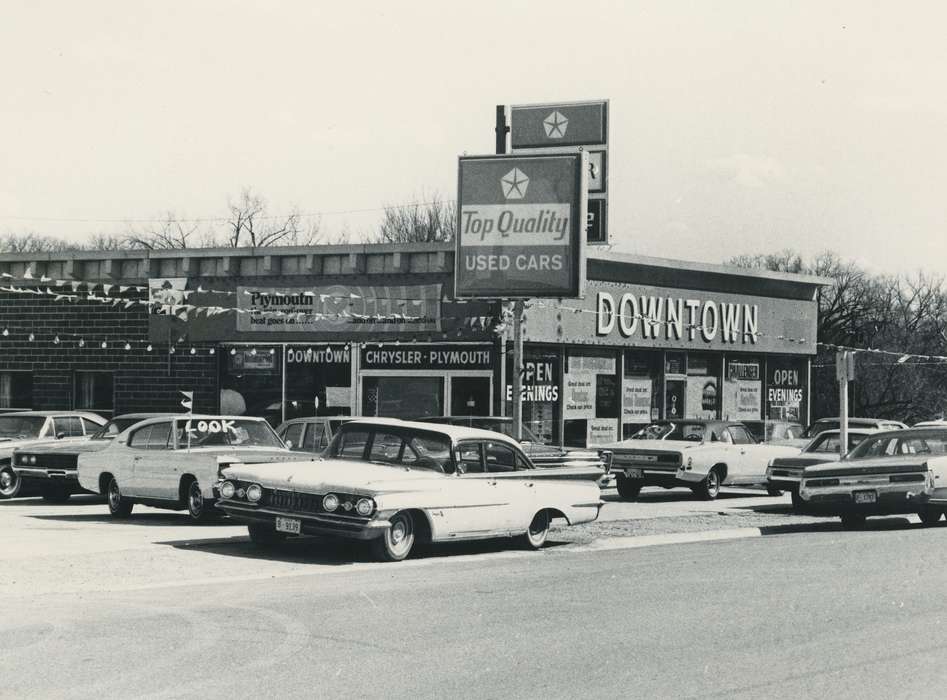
column 10, row 483
column 929, row 516
column 56, row 495
column 773, row 491
column 197, row 506
column 398, row 539
column 628, row 489
column 709, row 488
column 119, row 506
column 264, row 535
column 537, row 532
column 853, row 521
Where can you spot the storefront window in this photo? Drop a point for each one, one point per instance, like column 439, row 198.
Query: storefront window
column 403, row 397
column 94, row 391
column 16, row 389
column 703, row 386
column 318, row 380
column 743, row 389
column 787, row 389
column 591, row 399
column 641, row 390
column 251, row 382
column 541, row 405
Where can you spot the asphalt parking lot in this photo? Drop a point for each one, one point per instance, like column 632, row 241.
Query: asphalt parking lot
column 78, row 547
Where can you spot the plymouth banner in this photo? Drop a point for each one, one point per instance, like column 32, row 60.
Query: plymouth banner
column 341, row 308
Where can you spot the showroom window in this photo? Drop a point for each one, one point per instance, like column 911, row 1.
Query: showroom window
column 94, row 391
column 16, row 390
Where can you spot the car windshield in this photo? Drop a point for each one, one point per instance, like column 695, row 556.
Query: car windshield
column 932, row 442
column 828, row 443
column 114, row 427
column 225, row 432
column 671, row 431
column 395, row 447
column 15, row 427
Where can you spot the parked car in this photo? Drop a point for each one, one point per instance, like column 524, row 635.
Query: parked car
column 400, row 483
column 784, row 473
column 700, row 454
column 310, row 433
column 30, row 428
column 50, row 468
column 772, row 430
column 892, row 472
column 931, row 424
column 824, row 424
column 175, row 463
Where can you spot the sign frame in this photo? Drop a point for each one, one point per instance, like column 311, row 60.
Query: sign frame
column 577, row 234
column 566, row 143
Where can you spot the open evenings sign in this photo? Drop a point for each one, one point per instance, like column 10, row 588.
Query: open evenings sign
column 521, row 226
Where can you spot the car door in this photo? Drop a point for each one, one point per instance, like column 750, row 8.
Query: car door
column 515, row 484
column 750, row 457
column 153, row 475
column 472, row 504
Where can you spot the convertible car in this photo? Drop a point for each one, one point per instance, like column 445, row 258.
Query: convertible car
column 894, row 472
column 702, row 455
column 399, row 483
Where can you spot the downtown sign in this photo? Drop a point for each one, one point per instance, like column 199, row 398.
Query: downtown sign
column 520, row 226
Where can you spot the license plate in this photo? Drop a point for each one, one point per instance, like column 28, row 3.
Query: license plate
column 866, row 496
column 633, row 473
column 290, row 525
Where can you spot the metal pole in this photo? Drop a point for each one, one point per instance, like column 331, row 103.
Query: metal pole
column 501, row 129
column 518, row 307
column 841, row 370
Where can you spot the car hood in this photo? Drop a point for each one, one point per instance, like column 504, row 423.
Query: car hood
column 793, row 442
column 320, row 476
column 7, row 446
column 651, row 445
column 874, row 465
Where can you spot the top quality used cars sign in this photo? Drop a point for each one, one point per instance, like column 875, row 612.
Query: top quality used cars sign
column 520, row 226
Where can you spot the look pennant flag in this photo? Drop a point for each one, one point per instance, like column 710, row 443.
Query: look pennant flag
column 188, row 400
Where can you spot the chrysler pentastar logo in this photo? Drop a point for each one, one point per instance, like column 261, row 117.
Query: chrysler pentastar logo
column 514, row 184
column 555, row 125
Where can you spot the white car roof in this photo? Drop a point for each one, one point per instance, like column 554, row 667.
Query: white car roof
column 454, row 432
column 94, row 417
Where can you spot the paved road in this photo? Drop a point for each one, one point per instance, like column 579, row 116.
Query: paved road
column 812, row 614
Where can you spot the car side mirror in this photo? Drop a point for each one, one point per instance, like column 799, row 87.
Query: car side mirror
column 60, row 436
column 289, row 444
column 461, row 469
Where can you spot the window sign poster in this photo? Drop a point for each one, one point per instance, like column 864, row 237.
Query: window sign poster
column 749, row 400
column 636, row 402
column 702, row 397
column 579, row 396
column 601, row 431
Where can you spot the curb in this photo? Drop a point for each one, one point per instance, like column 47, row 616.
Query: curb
column 633, row 542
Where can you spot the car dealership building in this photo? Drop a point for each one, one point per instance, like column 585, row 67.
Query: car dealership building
column 376, row 330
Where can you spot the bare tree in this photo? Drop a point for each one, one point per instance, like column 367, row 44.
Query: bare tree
column 169, row 233
column 422, row 222
column 31, row 242
column 249, row 224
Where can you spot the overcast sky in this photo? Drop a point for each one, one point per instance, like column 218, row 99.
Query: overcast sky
column 736, row 127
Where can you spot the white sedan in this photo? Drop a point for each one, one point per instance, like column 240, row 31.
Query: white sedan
column 175, row 462
column 397, row 483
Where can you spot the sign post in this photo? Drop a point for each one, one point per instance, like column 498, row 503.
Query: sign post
column 844, row 372
column 520, row 234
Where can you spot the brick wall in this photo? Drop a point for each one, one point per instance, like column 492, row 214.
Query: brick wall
column 143, row 380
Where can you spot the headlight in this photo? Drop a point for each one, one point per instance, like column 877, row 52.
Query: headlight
column 254, row 493
column 330, row 502
column 227, row 489
column 365, row 506
column 31, row 459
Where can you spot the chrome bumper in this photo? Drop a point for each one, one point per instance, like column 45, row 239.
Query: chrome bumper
column 310, row 524
column 34, row 473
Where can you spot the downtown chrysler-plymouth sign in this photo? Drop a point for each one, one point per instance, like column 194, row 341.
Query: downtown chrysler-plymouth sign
column 520, row 226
